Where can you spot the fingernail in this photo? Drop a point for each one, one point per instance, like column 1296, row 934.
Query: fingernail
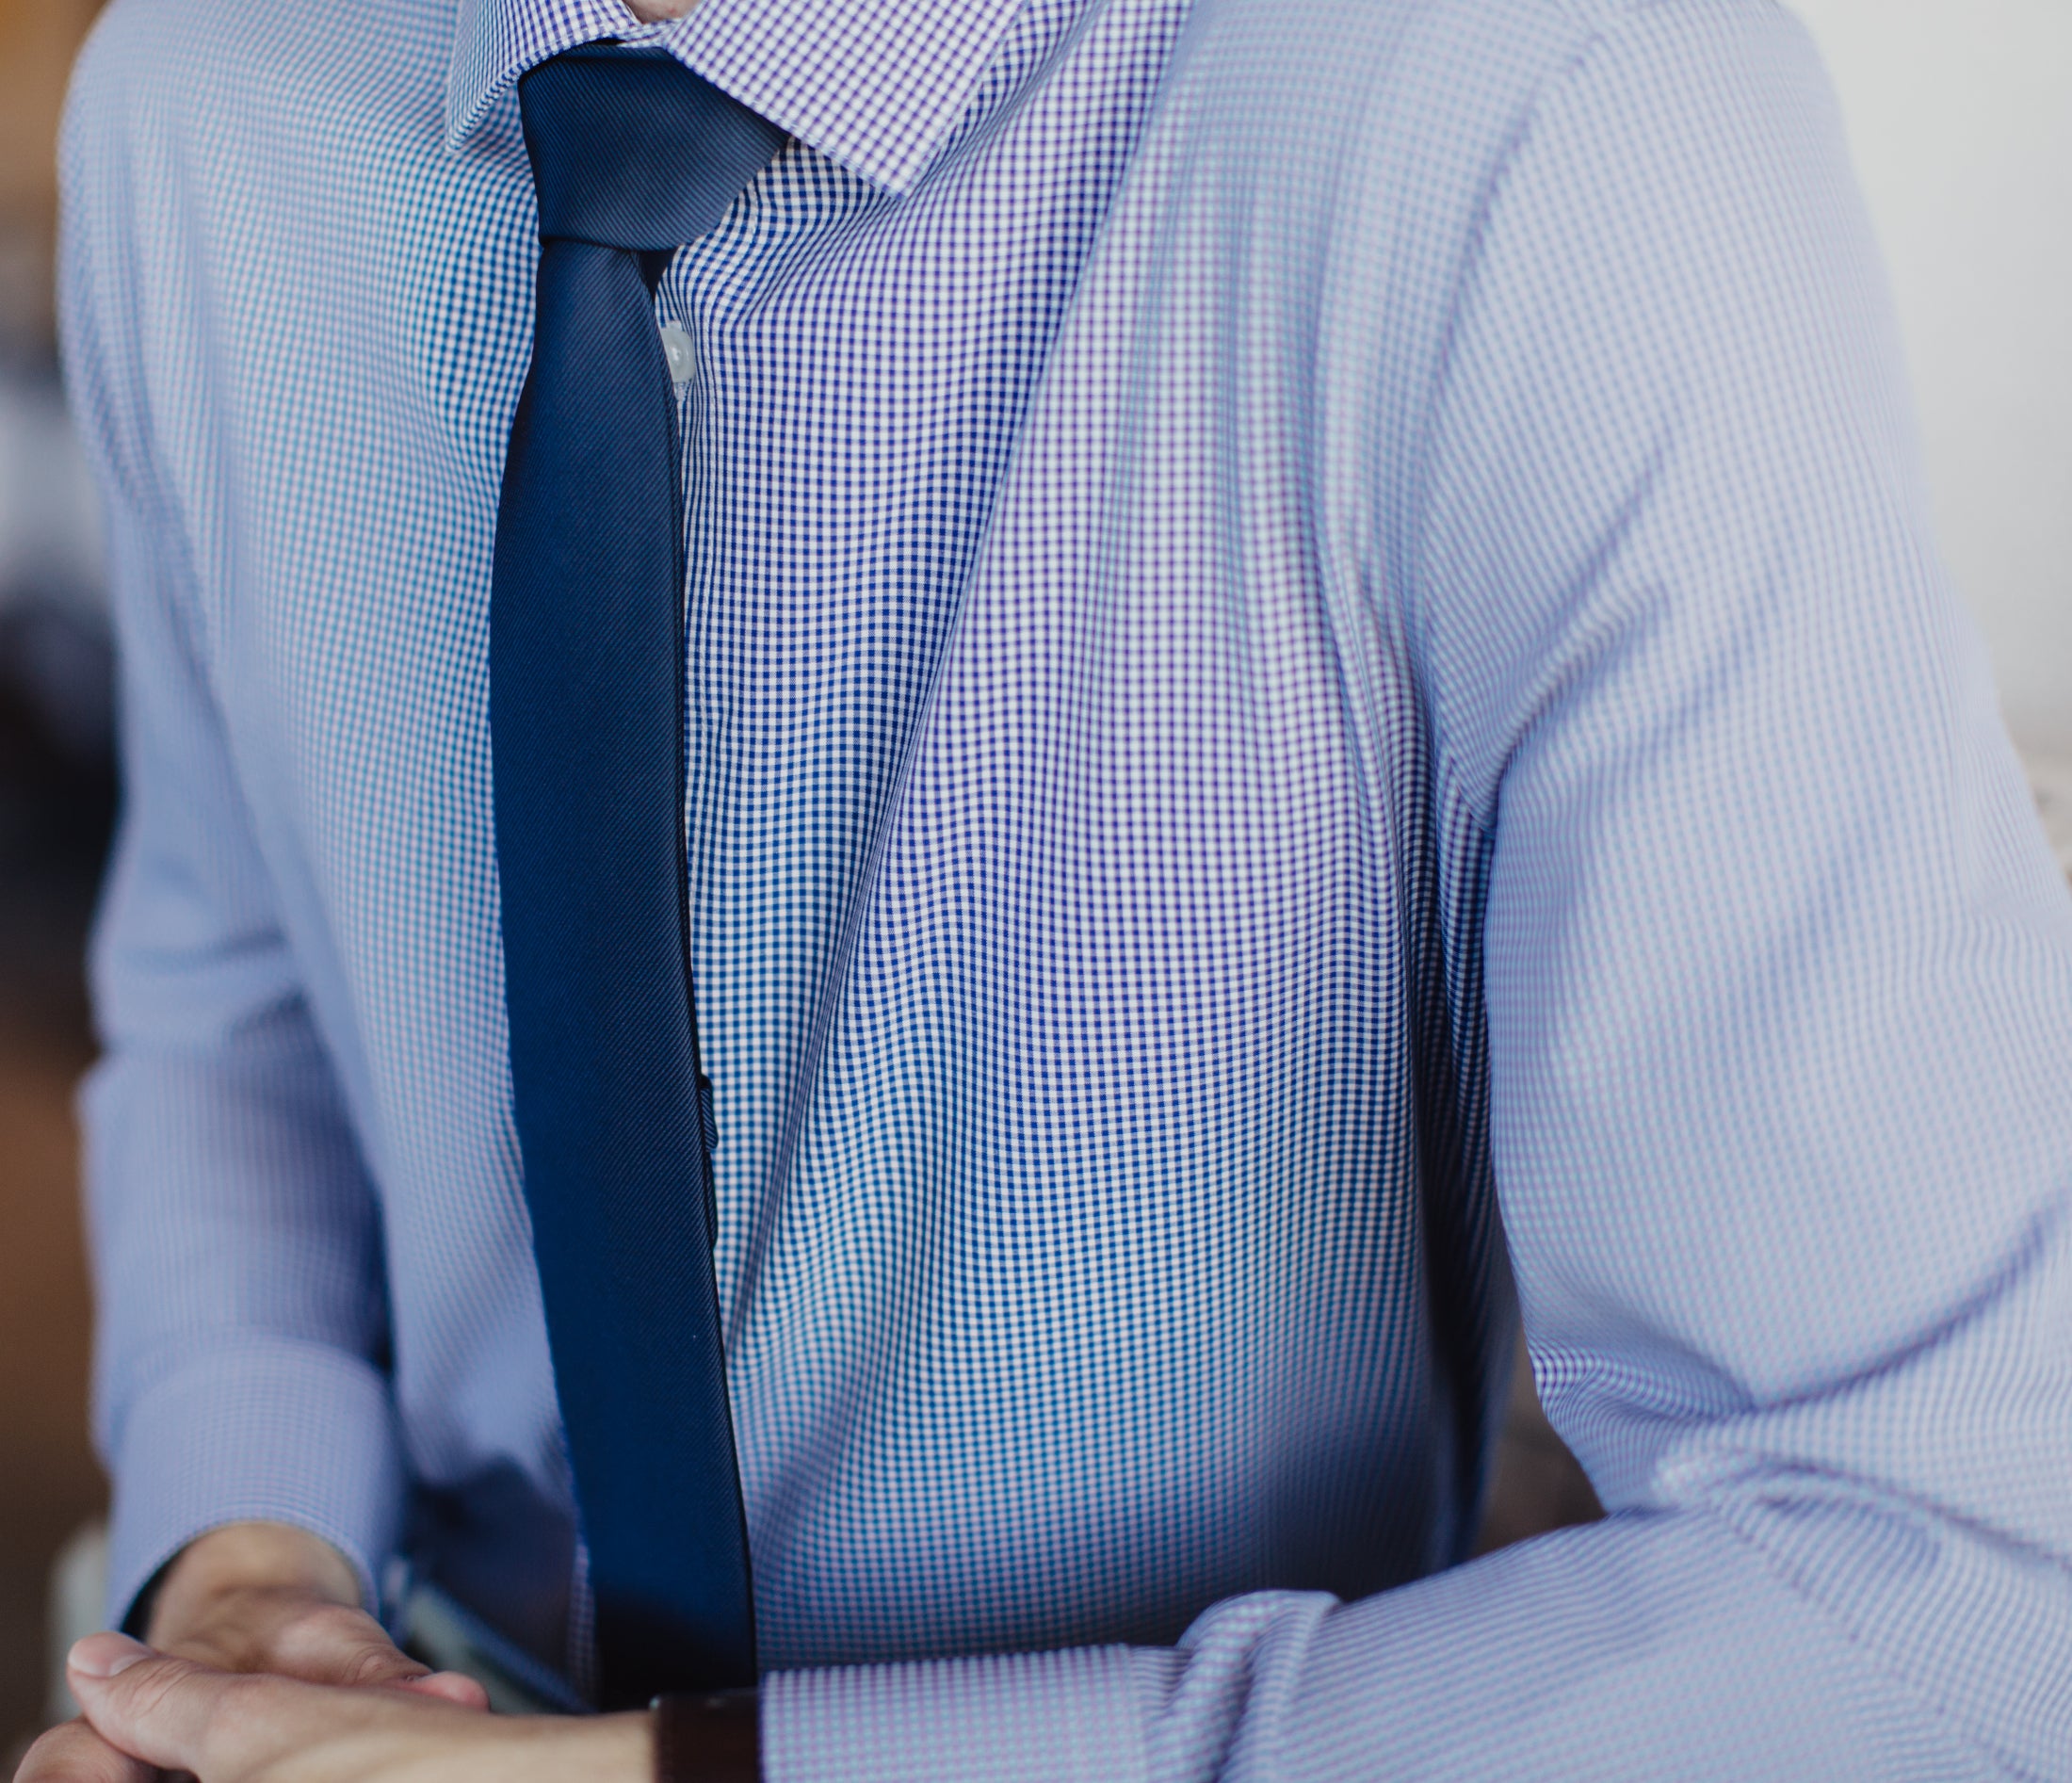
column 104, row 1655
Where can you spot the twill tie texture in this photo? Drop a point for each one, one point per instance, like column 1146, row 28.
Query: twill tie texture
column 632, row 154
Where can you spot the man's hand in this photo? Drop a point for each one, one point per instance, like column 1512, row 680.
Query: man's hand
column 228, row 1729
column 255, row 1598
column 263, row 1598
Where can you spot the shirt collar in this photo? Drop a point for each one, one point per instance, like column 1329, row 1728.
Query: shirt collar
column 876, row 84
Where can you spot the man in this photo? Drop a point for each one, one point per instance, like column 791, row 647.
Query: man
column 1306, row 626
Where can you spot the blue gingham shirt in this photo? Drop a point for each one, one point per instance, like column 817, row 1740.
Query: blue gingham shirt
column 1322, row 706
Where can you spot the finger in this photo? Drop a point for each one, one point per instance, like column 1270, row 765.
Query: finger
column 320, row 1643
column 328, row 1644
column 157, row 1709
column 453, row 1687
column 73, row 1753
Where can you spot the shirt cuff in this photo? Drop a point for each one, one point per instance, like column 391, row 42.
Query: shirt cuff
column 280, row 1432
column 1014, row 1718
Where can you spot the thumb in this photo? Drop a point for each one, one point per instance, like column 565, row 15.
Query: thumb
column 156, row 1708
column 330, row 1644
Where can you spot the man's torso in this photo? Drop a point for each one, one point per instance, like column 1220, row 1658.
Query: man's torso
column 1085, row 940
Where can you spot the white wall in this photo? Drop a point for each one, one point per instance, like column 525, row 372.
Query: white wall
column 1960, row 113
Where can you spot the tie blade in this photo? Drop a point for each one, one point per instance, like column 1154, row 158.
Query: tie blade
column 586, row 654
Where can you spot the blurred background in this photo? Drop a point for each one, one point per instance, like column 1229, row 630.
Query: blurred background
column 1964, row 137
column 56, row 801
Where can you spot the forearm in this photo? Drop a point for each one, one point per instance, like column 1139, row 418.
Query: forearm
column 179, row 1712
column 183, row 1716
column 238, row 1283
column 1642, row 1647
column 1646, row 1646
column 235, row 1242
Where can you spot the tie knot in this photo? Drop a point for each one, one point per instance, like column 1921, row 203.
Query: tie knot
column 631, row 149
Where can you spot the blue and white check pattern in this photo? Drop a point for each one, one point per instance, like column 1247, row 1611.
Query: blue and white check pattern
column 1315, row 645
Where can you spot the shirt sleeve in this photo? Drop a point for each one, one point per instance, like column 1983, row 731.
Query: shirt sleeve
column 238, row 1370
column 1778, row 979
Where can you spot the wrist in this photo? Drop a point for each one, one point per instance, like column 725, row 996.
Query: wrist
column 272, row 1558
column 620, row 1748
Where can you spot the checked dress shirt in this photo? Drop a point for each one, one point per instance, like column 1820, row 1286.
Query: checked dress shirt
column 1322, row 711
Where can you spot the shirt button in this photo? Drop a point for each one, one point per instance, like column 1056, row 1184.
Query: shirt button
column 677, row 349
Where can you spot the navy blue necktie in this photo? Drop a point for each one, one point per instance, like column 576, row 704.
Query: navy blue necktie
column 632, row 154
